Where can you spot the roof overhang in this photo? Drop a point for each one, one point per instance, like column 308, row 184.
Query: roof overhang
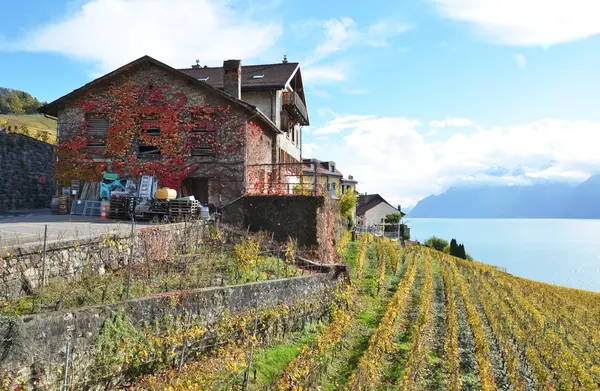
column 53, row 107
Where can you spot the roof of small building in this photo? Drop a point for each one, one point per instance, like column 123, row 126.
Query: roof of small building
column 52, row 107
column 348, row 180
column 366, row 202
column 321, row 169
column 274, row 76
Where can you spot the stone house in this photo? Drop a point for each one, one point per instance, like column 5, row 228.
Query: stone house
column 372, row 209
column 187, row 131
column 276, row 90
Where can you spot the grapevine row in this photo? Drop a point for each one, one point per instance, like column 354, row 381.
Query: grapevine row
column 417, row 355
column 452, row 354
column 482, row 349
column 366, row 374
column 297, row 375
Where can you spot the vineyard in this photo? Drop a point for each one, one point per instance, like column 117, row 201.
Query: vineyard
column 410, row 319
column 416, row 319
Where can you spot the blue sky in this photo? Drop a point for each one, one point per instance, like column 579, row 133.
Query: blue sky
column 408, row 97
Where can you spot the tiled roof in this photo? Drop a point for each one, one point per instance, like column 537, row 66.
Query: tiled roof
column 321, row 170
column 275, row 75
column 367, row 201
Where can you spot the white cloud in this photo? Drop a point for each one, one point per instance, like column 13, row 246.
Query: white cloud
column 391, row 156
column 111, row 33
column 451, row 122
column 341, row 123
column 521, row 60
column 309, row 150
column 527, row 22
column 325, row 74
column 339, row 35
column 379, row 33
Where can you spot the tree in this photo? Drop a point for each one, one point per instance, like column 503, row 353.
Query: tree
column 392, row 220
column 453, row 247
column 461, row 251
column 15, row 105
column 348, row 202
column 436, row 243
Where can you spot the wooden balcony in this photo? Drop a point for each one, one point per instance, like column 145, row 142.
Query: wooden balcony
column 292, row 103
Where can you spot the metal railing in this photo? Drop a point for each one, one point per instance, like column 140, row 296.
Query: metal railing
column 287, row 179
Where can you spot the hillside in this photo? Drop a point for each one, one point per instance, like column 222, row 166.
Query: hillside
column 419, row 320
column 18, row 102
column 548, row 200
column 34, row 125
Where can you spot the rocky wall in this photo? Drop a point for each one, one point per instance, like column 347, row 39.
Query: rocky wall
column 26, row 172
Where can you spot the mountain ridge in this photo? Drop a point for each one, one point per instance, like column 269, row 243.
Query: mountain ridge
column 543, row 200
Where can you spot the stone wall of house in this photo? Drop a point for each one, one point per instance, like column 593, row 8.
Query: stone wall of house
column 225, row 173
column 23, row 267
column 26, row 172
column 37, row 344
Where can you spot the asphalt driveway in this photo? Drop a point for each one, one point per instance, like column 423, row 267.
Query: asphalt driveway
column 28, row 227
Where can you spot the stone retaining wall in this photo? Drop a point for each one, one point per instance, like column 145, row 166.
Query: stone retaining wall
column 22, row 268
column 38, row 342
column 26, row 172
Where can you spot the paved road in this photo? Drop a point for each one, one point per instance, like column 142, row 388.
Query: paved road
column 29, row 227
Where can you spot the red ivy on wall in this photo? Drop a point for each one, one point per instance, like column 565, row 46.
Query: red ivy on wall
column 132, row 111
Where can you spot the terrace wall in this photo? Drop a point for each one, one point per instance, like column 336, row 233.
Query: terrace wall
column 37, row 343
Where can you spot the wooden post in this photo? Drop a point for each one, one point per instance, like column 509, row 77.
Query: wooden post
column 44, row 256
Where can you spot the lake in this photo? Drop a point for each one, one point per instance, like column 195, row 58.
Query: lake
column 561, row 252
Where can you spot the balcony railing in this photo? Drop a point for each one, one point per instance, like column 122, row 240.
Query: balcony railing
column 293, row 104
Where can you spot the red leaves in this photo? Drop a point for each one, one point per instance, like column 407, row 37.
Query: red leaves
column 128, row 107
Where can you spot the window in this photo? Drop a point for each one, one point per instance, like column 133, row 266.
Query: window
column 293, row 135
column 202, row 143
column 333, row 186
column 97, row 128
column 150, row 128
column 204, row 78
column 258, row 76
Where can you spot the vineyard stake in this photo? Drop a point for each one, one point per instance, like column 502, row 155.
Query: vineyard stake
column 67, row 357
column 247, row 375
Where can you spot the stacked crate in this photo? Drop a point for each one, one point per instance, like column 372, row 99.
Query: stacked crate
column 120, row 207
column 183, row 209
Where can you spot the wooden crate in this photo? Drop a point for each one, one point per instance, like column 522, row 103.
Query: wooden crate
column 183, row 208
column 120, row 207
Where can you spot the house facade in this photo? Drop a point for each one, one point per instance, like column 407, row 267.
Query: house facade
column 328, row 178
column 147, row 118
column 348, row 184
column 373, row 208
column 276, row 90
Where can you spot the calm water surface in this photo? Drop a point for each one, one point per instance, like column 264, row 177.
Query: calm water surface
column 561, row 252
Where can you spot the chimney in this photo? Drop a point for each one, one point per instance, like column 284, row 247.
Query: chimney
column 399, row 208
column 197, row 65
column 232, row 77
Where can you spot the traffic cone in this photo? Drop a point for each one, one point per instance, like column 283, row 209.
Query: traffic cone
column 103, row 211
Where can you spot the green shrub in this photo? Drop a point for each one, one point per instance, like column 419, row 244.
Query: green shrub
column 436, row 243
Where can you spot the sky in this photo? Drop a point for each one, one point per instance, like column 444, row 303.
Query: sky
column 408, row 97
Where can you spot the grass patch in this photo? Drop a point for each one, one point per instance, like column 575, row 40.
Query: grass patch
column 35, row 124
column 269, row 362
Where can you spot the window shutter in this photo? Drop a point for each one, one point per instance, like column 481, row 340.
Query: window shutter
column 97, row 127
